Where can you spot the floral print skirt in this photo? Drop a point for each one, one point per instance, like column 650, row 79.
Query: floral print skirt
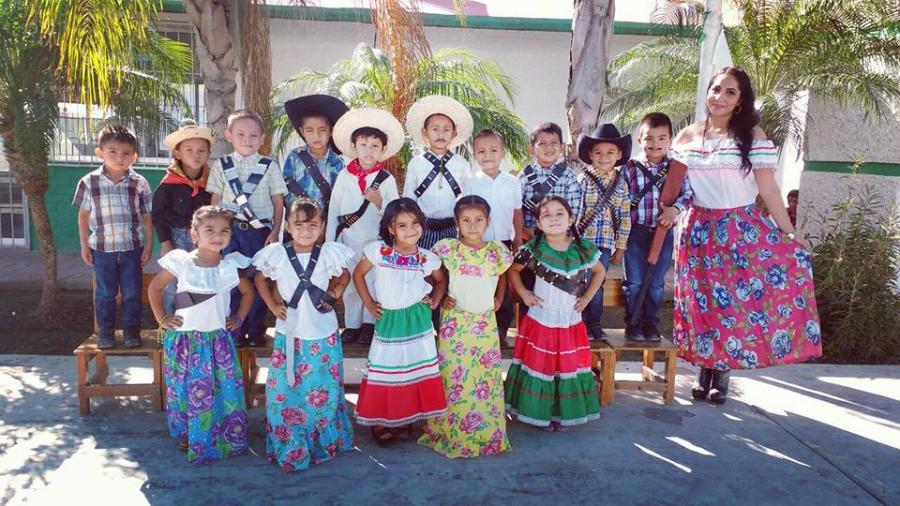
column 306, row 422
column 469, row 359
column 744, row 295
column 205, row 394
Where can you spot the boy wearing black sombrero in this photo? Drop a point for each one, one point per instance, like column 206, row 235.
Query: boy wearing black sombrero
column 311, row 170
column 605, row 211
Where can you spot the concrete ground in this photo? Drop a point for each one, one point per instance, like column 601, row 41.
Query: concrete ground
column 805, row 434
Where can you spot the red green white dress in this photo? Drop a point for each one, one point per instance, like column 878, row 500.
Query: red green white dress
column 550, row 378
column 402, row 383
column 469, row 355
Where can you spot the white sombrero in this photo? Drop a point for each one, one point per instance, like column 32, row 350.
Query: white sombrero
column 439, row 104
column 188, row 129
column 368, row 117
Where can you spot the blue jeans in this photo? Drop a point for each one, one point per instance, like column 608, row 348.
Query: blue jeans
column 636, row 267
column 115, row 271
column 594, row 310
column 181, row 239
column 248, row 243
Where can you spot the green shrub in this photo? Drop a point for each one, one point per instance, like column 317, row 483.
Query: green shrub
column 855, row 262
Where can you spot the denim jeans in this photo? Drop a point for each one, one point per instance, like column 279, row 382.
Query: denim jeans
column 181, row 239
column 248, row 243
column 115, row 271
column 635, row 269
column 594, row 310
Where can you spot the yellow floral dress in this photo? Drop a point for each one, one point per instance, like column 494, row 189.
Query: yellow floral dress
column 469, row 355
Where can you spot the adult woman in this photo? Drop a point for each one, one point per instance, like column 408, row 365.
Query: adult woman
column 744, row 287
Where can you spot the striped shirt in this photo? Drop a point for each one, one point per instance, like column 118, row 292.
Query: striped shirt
column 647, row 210
column 608, row 229
column 566, row 187
column 329, row 166
column 117, row 209
column 261, row 198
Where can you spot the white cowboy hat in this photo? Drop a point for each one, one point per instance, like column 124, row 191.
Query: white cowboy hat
column 188, row 129
column 368, row 117
column 439, row 104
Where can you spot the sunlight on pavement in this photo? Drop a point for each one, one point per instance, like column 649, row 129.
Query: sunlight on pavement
column 779, row 400
column 664, row 459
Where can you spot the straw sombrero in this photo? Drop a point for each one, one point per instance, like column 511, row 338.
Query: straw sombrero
column 188, row 129
column 355, row 119
column 439, row 104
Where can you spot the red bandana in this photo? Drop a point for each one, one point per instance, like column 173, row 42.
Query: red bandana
column 175, row 175
column 356, row 169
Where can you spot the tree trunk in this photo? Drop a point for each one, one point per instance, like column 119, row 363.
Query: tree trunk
column 216, row 56
column 256, row 62
column 592, row 29
column 38, row 208
column 712, row 30
column 32, row 175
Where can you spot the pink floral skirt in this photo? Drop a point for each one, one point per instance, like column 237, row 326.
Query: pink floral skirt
column 744, row 295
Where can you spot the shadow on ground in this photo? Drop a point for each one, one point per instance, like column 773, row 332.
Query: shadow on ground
column 811, row 434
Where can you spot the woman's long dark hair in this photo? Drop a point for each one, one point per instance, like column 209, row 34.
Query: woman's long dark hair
column 744, row 117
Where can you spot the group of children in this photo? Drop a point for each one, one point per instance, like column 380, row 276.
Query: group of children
column 441, row 260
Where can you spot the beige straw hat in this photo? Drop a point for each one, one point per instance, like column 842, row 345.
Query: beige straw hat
column 368, row 117
column 188, row 129
column 439, row 104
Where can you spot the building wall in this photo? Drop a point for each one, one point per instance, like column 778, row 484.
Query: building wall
column 64, row 217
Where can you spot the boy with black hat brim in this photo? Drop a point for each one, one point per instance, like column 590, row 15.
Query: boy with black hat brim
column 311, row 170
column 605, row 211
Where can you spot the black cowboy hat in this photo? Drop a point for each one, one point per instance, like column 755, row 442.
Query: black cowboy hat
column 333, row 108
column 607, row 132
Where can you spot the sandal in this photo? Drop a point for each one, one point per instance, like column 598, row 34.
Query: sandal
column 383, row 435
column 183, row 445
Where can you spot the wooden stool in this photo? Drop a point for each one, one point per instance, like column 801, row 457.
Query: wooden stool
column 96, row 386
column 247, row 356
column 651, row 381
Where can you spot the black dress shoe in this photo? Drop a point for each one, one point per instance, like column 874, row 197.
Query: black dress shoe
column 700, row 389
column 719, row 392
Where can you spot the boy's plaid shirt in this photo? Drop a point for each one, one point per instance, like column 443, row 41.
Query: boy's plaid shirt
column 566, row 187
column 294, row 168
column 646, row 211
column 609, row 229
column 117, row 209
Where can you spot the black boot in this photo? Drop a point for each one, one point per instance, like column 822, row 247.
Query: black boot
column 701, row 387
column 719, row 391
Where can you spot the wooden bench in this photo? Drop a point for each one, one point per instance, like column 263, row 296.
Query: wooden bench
column 606, row 354
column 247, row 357
column 97, row 386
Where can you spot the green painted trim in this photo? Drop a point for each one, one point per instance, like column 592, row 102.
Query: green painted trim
column 362, row 15
column 867, row 168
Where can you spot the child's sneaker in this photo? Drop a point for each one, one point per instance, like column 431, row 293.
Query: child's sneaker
column 256, row 341
column 106, row 340
column 651, row 333
column 633, row 333
column 133, row 338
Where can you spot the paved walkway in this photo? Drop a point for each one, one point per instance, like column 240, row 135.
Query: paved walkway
column 807, row 434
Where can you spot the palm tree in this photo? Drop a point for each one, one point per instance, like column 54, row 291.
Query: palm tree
column 592, row 30
column 843, row 50
column 364, row 80
column 104, row 53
